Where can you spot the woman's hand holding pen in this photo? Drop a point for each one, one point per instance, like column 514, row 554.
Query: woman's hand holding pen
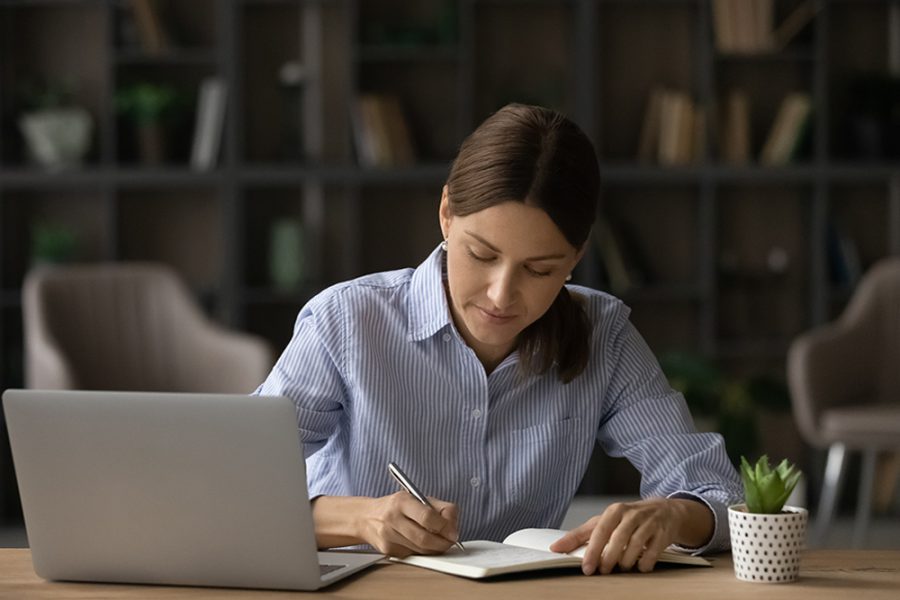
column 630, row 534
column 399, row 525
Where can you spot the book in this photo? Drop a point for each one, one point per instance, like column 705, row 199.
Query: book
column 523, row 550
column 363, row 135
column 723, row 25
column 794, row 23
column 381, row 131
column 736, row 131
column 648, row 142
column 612, row 258
column 399, row 136
column 209, row 123
column 676, row 130
column 152, row 35
column 787, row 129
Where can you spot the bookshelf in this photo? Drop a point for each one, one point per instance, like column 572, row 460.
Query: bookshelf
column 708, row 231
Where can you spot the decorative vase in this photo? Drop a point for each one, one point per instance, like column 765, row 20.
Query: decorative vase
column 286, row 254
column 57, row 138
column 766, row 548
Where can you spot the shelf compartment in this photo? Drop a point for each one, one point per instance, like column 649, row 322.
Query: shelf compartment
column 856, row 237
column 384, row 212
column 38, row 55
column 508, row 70
column 179, row 227
column 762, row 260
column 75, row 229
column 628, row 74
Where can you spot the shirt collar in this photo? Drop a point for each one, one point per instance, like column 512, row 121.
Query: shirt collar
column 428, row 308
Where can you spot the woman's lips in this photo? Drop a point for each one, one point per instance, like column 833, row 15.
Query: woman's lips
column 498, row 318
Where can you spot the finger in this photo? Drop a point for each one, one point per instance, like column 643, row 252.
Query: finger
column 450, row 513
column 651, row 553
column 637, row 544
column 422, row 540
column 391, row 542
column 426, row 516
column 599, row 540
column 575, row 538
column 615, row 548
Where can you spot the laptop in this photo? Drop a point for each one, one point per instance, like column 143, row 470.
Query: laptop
column 164, row 488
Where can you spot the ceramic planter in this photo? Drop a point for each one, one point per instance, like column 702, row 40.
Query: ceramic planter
column 767, row 548
column 57, row 138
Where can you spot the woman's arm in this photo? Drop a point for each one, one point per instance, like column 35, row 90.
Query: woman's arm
column 396, row 525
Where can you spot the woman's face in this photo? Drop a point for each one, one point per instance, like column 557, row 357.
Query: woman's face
column 505, row 267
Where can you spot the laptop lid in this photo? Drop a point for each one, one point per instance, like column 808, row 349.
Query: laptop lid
column 183, row 489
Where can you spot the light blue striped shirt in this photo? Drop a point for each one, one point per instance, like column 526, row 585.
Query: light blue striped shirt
column 379, row 373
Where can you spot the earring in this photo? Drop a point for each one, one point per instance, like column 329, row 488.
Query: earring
column 569, row 277
column 444, row 245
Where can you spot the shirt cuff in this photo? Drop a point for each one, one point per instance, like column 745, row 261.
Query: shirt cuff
column 720, row 539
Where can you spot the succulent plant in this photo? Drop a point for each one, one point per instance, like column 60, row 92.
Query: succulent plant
column 767, row 489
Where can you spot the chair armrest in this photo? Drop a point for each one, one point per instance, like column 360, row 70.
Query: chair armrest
column 828, row 366
column 45, row 366
column 221, row 360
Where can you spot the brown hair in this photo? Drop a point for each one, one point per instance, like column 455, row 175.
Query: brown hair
column 539, row 157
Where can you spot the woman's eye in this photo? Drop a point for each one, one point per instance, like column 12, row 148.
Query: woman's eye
column 537, row 273
column 479, row 257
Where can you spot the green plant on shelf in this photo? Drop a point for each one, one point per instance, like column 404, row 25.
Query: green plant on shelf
column 146, row 102
column 154, row 109
column 731, row 404
column 52, row 244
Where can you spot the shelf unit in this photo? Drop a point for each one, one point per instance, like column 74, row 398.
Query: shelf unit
column 595, row 60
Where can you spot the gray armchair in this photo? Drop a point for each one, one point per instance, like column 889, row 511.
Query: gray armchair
column 130, row 326
column 845, row 387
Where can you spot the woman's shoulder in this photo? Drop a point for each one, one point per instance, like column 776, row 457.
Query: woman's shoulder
column 598, row 305
column 366, row 291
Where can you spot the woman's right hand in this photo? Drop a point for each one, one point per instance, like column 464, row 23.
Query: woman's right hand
column 396, row 525
column 399, row 525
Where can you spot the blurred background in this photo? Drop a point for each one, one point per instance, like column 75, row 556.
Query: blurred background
column 264, row 149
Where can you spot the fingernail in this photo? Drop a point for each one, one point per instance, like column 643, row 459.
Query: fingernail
column 587, row 569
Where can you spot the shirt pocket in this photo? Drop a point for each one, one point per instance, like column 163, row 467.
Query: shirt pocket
column 540, row 463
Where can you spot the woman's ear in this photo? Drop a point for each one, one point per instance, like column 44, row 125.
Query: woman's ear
column 444, row 213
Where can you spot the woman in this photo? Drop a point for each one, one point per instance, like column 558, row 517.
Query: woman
column 489, row 381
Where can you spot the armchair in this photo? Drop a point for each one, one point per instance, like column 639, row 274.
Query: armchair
column 844, row 379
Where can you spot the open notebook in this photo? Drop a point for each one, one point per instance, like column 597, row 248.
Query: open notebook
column 524, row 550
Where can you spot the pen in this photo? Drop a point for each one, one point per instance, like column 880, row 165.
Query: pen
column 407, row 484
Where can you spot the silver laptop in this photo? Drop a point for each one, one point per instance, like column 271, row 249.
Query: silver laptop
column 181, row 489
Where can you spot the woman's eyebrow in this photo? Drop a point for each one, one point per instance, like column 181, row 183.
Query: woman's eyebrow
column 497, row 250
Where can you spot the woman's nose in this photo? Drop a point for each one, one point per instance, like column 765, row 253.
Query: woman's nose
column 501, row 291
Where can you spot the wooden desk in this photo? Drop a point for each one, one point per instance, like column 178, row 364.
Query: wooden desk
column 825, row 574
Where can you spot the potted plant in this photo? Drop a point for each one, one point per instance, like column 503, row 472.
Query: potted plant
column 147, row 105
column 767, row 537
column 57, row 132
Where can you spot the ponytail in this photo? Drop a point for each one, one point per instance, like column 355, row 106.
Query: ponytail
column 560, row 337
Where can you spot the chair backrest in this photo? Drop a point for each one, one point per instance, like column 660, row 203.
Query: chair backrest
column 876, row 306
column 118, row 326
column 855, row 359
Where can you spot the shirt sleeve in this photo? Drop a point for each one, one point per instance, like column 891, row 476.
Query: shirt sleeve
column 648, row 422
column 307, row 372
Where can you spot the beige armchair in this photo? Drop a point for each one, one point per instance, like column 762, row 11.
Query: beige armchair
column 130, row 326
column 845, row 387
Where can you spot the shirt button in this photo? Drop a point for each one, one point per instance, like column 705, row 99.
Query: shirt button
column 475, row 482
column 476, row 413
column 446, row 337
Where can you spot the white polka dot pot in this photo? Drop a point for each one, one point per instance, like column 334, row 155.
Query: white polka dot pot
column 767, row 548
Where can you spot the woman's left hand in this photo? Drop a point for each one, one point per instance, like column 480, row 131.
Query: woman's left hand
column 635, row 533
